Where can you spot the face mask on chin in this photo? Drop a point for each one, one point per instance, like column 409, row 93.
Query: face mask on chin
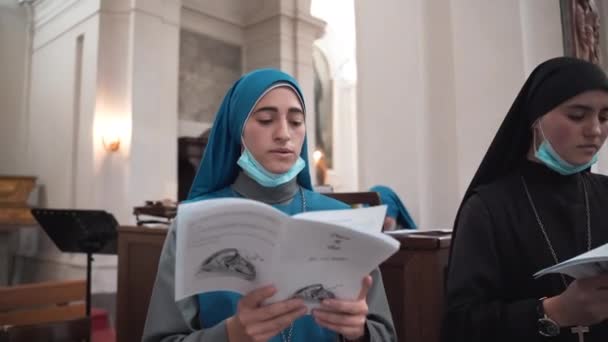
column 548, row 156
column 265, row 178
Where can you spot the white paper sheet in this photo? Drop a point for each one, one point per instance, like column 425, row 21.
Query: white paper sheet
column 239, row 245
column 591, row 263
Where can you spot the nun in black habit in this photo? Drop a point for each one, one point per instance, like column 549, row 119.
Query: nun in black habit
column 533, row 203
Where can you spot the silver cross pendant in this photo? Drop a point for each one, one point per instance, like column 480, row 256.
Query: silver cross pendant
column 581, row 331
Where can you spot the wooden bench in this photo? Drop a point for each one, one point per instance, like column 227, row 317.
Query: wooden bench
column 74, row 330
column 47, row 311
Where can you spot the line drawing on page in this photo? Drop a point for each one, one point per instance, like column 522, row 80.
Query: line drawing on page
column 314, row 293
column 229, row 261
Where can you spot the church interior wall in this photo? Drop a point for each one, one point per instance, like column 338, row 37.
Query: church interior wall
column 208, row 24
column 61, row 107
column 434, row 83
column 14, row 54
column 602, row 164
column 442, row 96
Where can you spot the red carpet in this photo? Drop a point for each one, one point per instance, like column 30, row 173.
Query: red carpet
column 100, row 326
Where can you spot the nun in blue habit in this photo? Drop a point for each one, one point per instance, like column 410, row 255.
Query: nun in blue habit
column 397, row 216
column 257, row 150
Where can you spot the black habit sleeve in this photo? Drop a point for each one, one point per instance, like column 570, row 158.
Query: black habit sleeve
column 477, row 307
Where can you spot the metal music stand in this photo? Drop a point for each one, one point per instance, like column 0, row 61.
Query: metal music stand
column 80, row 231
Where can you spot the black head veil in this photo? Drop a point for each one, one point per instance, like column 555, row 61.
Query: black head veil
column 550, row 84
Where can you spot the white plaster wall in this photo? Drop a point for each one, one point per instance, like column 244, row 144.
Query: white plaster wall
column 488, row 71
column 542, row 39
column 390, row 96
column 439, row 157
column 60, row 131
column 14, row 56
column 602, row 164
column 137, row 100
column 344, row 175
column 128, row 86
column 153, row 158
column 53, row 148
column 113, row 113
column 435, row 81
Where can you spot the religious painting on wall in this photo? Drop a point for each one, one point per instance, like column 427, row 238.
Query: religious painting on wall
column 581, row 29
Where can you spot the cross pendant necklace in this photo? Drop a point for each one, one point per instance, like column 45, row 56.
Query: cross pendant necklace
column 579, row 330
column 288, row 338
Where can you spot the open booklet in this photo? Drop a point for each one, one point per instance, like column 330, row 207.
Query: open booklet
column 589, row 264
column 238, row 245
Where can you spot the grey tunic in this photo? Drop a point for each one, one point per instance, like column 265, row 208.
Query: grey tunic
column 169, row 320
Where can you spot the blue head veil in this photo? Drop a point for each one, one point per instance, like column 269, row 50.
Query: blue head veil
column 395, row 209
column 218, row 167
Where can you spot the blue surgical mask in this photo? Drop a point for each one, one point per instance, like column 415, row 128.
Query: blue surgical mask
column 264, row 177
column 546, row 154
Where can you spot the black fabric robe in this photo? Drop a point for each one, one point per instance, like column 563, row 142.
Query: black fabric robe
column 491, row 292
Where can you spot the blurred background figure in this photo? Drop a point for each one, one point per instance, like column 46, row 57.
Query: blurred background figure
column 397, row 216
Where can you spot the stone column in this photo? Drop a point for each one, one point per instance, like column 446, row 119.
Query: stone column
column 137, row 95
column 136, row 99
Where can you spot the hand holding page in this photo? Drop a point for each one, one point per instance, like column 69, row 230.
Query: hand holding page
column 589, row 264
column 238, row 245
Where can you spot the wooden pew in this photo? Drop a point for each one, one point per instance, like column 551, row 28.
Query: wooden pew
column 138, row 255
column 413, row 280
column 47, row 311
column 414, row 283
column 42, row 302
column 73, row 330
column 354, row 198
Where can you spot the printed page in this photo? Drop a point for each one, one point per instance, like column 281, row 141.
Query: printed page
column 321, row 260
column 591, row 263
column 368, row 220
column 225, row 244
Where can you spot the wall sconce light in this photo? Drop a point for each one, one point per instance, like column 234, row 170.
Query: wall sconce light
column 111, row 143
column 112, row 133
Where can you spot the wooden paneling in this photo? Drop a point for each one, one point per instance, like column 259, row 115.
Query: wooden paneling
column 413, row 280
column 138, row 255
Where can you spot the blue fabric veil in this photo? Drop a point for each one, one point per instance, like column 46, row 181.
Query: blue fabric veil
column 218, row 168
column 395, row 209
